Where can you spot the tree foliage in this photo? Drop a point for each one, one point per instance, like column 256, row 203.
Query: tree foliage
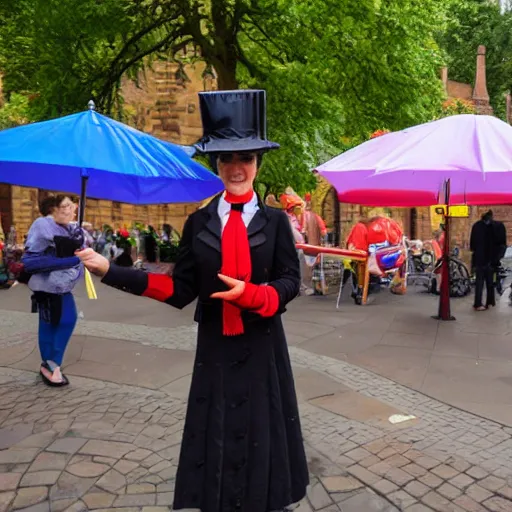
column 14, row 112
column 335, row 70
column 471, row 23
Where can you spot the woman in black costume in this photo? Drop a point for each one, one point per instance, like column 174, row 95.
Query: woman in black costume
column 242, row 446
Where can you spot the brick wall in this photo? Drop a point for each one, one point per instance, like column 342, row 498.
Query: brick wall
column 459, row 90
column 25, row 208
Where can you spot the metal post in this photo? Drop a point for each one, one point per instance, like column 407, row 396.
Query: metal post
column 81, row 208
column 444, row 312
column 84, row 176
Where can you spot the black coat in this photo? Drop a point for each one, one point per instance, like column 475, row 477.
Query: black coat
column 481, row 243
column 499, row 244
column 242, row 447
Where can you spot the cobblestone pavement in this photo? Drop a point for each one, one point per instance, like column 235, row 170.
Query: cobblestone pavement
column 104, row 446
column 101, row 446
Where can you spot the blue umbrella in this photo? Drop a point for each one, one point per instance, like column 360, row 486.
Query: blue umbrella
column 190, row 150
column 117, row 162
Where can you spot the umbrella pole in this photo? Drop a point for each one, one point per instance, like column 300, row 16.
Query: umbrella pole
column 81, row 207
column 89, row 285
column 444, row 296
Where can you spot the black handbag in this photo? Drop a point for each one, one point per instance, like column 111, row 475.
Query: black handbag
column 65, row 246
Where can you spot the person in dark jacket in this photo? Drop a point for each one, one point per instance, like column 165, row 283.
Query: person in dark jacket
column 482, row 245
column 499, row 248
column 499, row 245
column 151, row 245
column 242, row 447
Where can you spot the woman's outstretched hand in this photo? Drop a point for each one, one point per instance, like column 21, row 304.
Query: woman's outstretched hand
column 94, row 262
column 236, row 286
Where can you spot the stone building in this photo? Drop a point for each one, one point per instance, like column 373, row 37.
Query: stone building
column 164, row 104
column 418, row 222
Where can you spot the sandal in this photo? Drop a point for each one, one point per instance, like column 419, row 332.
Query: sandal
column 480, row 308
column 55, row 384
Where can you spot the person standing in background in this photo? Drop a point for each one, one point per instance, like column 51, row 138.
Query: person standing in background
column 313, row 226
column 88, row 234
column 292, row 205
column 151, row 245
column 54, row 270
column 499, row 248
column 481, row 245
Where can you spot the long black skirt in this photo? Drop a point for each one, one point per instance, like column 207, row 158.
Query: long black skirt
column 242, row 447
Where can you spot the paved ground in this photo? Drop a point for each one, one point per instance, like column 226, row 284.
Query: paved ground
column 111, row 440
column 467, row 363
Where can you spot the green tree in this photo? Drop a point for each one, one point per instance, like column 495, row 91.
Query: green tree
column 337, row 70
column 471, row 23
column 14, row 112
column 332, row 68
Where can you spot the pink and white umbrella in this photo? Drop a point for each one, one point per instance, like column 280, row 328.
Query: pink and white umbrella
column 409, row 168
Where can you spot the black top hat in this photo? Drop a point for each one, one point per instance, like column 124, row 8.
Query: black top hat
column 234, row 121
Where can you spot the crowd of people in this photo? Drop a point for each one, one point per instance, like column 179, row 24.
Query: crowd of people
column 127, row 247
column 10, row 257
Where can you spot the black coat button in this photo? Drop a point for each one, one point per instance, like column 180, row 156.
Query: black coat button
column 200, row 464
column 201, row 399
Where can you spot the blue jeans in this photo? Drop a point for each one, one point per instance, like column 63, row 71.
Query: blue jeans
column 53, row 339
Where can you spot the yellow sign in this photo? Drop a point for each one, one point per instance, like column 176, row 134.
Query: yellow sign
column 436, row 218
column 460, row 210
column 456, row 210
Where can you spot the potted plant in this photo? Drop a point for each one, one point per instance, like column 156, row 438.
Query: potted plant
column 124, row 242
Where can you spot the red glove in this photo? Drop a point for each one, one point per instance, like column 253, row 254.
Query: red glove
column 261, row 299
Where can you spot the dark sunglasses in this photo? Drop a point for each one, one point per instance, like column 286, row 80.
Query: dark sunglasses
column 246, row 158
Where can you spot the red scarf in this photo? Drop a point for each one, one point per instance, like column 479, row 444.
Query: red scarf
column 236, row 259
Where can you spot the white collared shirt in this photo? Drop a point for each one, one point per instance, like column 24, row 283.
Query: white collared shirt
column 250, row 209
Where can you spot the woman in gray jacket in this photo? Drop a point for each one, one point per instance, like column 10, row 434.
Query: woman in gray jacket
column 54, row 271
